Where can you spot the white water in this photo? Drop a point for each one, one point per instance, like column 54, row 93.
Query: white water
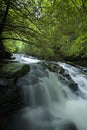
column 25, row 59
column 77, row 109
column 42, row 91
column 49, row 105
column 78, row 76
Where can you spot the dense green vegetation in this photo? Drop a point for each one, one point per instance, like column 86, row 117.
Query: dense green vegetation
column 45, row 28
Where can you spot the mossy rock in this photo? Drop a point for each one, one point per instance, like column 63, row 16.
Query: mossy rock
column 12, row 69
column 10, row 98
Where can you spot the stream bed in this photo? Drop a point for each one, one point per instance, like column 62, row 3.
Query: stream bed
column 49, row 103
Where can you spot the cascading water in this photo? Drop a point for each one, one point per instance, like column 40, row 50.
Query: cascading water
column 49, row 104
column 38, row 87
column 77, row 109
column 25, row 59
column 79, row 76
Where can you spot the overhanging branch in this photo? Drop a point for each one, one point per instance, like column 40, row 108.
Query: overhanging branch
column 16, row 39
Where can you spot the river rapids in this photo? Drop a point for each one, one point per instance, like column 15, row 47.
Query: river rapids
column 50, row 104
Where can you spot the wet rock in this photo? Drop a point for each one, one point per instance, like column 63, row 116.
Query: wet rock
column 68, row 126
column 68, row 81
column 10, row 97
column 73, row 86
column 66, row 74
column 12, row 69
column 54, row 67
column 63, row 75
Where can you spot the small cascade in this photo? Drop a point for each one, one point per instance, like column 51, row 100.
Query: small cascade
column 78, row 76
column 40, row 87
column 22, row 58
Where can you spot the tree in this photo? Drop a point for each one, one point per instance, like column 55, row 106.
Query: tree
column 45, row 25
column 3, row 20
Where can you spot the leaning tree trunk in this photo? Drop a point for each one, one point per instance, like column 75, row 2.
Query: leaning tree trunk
column 3, row 53
column 2, row 24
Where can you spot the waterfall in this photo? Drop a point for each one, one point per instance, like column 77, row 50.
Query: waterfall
column 41, row 87
column 49, row 104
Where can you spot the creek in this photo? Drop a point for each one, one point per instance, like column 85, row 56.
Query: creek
column 49, row 103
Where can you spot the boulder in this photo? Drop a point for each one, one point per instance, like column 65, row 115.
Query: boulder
column 63, row 75
column 10, row 98
column 54, row 67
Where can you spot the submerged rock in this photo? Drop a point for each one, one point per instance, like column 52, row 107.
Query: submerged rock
column 10, row 98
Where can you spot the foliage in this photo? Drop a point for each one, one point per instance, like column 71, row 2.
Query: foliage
column 14, row 47
column 45, row 28
column 79, row 47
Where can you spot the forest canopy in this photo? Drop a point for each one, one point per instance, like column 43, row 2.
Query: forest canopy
column 44, row 28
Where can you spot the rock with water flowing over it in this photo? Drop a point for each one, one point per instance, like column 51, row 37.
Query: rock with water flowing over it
column 54, row 67
column 10, row 72
column 65, row 78
column 63, row 75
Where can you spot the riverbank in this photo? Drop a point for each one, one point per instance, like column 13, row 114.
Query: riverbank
column 69, row 60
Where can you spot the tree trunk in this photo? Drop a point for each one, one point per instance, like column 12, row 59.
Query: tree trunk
column 2, row 48
column 2, row 24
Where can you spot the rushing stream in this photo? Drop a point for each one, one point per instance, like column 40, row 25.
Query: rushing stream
column 49, row 104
